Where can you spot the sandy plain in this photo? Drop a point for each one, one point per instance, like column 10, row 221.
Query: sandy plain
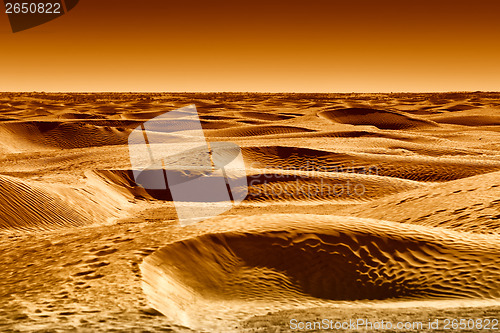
column 379, row 206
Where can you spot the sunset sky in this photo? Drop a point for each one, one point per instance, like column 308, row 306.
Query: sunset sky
column 261, row 46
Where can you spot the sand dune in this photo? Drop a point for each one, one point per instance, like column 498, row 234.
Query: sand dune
column 143, row 115
column 266, row 116
column 30, row 206
column 378, row 118
column 75, row 115
column 256, row 131
column 27, row 207
column 307, row 186
column 484, row 118
column 294, row 259
column 18, row 135
column 477, row 120
column 470, row 204
column 120, row 180
column 413, row 168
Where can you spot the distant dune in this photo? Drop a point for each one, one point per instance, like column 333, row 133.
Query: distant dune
column 257, row 131
column 381, row 119
column 419, row 168
column 67, row 135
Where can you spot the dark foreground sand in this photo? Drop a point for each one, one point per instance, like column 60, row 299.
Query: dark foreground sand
column 409, row 234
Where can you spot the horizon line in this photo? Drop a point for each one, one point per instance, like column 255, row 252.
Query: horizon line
column 247, row 92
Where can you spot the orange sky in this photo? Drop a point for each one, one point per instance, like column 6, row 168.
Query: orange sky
column 263, row 46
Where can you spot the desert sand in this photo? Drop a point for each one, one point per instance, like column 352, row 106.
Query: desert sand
column 380, row 206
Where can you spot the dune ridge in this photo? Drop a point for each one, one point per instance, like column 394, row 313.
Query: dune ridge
column 477, row 120
column 53, row 134
column 310, row 186
column 256, row 130
column 382, row 119
column 418, row 168
column 27, row 207
column 470, row 204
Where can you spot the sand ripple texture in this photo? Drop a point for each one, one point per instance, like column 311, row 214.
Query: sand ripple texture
column 286, row 261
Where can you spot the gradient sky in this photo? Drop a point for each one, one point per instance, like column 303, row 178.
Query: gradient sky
column 262, row 46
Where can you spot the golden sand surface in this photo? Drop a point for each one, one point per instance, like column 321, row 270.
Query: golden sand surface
column 380, row 206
